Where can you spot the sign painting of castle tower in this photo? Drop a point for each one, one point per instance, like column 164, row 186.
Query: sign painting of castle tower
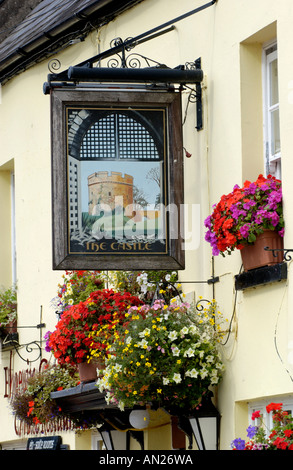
column 113, row 155
column 105, row 188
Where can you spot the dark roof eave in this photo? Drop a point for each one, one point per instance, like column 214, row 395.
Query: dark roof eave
column 48, row 42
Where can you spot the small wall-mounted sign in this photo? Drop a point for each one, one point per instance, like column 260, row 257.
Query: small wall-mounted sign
column 44, row 443
column 117, row 180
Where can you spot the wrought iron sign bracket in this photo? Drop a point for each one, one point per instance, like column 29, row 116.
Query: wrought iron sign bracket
column 125, row 69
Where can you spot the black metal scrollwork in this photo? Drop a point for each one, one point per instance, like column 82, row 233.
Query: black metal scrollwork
column 275, row 252
column 133, row 60
column 30, row 348
column 54, row 65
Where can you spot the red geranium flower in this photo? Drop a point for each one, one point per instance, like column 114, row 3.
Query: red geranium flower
column 274, row 407
column 72, row 342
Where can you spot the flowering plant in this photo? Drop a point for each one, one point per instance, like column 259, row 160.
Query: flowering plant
column 280, row 437
column 165, row 353
column 244, row 213
column 144, row 284
column 76, row 287
column 8, row 306
column 72, row 341
column 34, row 404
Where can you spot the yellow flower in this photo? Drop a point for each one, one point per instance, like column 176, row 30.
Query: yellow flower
column 138, row 364
column 159, row 390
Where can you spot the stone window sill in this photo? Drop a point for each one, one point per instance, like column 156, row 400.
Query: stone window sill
column 261, row 276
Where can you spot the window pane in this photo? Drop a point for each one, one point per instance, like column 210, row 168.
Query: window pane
column 273, row 80
column 275, row 132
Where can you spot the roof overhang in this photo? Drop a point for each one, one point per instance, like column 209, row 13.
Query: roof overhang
column 28, row 45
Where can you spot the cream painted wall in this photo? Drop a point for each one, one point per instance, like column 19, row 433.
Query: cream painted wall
column 228, row 37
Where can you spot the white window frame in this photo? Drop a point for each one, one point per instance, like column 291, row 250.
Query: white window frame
column 272, row 160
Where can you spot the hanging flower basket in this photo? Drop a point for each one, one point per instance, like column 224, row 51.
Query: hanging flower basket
column 86, row 331
column 241, row 216
column 166, row 354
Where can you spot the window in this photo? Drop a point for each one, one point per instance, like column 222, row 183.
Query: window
column 271, row 112
column 266, row 419
column 8, row 275
column 13, row 242
column 118, row 156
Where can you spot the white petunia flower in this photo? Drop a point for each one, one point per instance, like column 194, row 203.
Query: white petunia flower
column 192, row 373
column 204, row 373
column 172, row 335
column 177, row 378
column 143, row 344
column 145, row 332
column 175, row 350
column 184, row 331
column 189, row 353
column 209, row 358
column 192, row 329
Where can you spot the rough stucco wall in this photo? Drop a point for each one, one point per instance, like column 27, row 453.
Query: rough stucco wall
column 12, row 12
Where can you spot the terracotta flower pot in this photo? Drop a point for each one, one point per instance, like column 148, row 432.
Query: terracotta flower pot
column 255, row 256
column 87, row 371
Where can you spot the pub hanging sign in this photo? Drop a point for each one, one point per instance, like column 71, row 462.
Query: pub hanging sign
column 117, row 180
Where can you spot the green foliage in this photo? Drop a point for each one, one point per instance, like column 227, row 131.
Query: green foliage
column 8, row 306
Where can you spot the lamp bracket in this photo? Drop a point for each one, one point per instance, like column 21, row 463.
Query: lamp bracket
column 185, row 426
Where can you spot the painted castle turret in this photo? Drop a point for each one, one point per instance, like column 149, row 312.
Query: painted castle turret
column 103, row 188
